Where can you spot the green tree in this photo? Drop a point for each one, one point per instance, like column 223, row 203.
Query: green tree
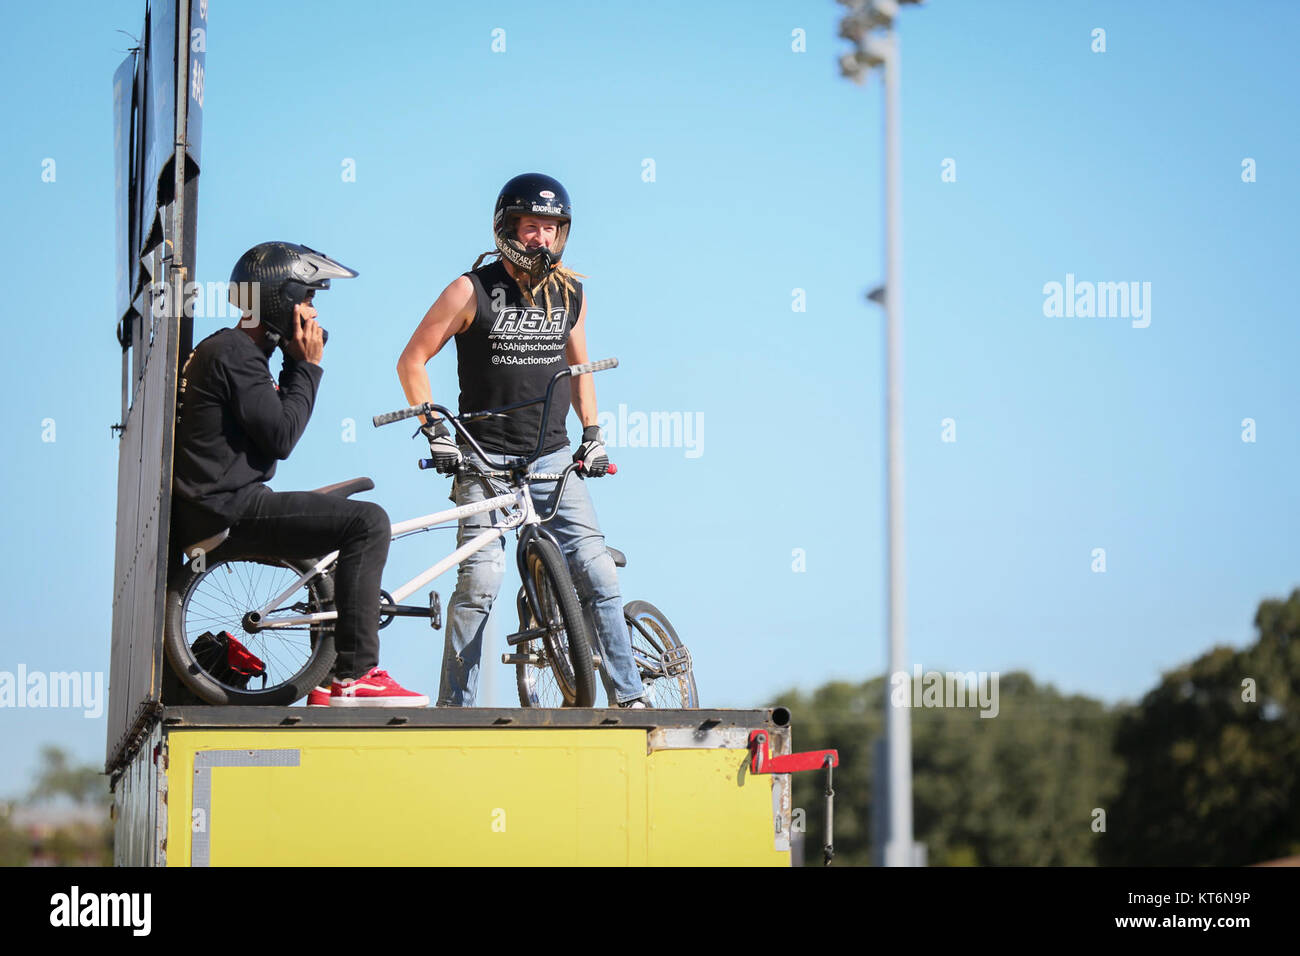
column 58, row 778
column 1019, row 788
column 74, row 842
column 1212, row 756
column 15, row 849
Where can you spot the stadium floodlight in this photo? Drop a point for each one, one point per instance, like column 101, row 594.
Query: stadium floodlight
column 862, row 20
column 881, row 13
column 853, row 27
column 873, row 52
column 849, row 69
column 871, row 26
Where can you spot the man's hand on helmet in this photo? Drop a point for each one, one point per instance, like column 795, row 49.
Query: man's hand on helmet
column 308, row 341
column 442, row 448
column 592, row 453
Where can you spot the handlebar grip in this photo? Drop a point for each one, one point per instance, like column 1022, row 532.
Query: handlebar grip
column 426, row 464
column 597, row 366
column 389, row 417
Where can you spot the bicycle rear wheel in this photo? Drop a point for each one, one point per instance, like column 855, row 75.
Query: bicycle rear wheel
column 214, row 655
column 565, row 674
column 663, row 662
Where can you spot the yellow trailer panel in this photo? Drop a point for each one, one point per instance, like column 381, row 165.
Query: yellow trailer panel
column 678, row 792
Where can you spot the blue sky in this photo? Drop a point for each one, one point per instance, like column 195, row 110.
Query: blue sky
column 1072, row 433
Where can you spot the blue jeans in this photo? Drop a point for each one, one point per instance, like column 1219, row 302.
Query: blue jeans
column 479, row 580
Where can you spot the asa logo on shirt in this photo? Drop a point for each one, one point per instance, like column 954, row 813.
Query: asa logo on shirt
column 516, row 321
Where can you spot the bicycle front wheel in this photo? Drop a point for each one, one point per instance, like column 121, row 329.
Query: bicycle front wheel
column 663, row 662
column 221, row 660
column 534, row 677
column 565, row 646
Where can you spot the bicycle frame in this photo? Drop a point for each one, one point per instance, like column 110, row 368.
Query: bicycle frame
column 525, row 515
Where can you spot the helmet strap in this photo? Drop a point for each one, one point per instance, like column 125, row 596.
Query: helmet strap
column 539, row 266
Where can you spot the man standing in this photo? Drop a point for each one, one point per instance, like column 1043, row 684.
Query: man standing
column 517, row 321
column 236, row 422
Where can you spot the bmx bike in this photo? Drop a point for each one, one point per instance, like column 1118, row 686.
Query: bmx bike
column 283, row 609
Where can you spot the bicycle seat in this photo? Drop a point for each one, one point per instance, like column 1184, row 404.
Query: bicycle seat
column 620, row 559
column 346, row 489
column 207, row 545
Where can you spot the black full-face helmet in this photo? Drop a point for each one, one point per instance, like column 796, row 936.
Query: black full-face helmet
column 272, row 277
column 531, row 194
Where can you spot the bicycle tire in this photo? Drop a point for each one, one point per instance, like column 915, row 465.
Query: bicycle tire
column 295, row 664
column 535, row 682
column 567, row 644
column 651, row 635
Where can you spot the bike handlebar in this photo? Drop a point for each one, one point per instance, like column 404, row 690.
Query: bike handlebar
column 387, row 418
column 597, row 366
column 485, row 479
column 458, row 421
column 426, row 463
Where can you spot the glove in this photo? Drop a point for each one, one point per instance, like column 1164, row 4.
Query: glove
column 592, row 453
column 442, row 448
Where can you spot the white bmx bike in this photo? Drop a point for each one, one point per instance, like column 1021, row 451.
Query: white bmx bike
column 283, row 609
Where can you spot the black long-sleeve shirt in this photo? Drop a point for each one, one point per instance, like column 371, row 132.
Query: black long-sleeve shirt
column 236, row 422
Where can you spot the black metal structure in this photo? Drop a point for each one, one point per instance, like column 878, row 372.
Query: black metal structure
column 701, row 722
column 158, row 113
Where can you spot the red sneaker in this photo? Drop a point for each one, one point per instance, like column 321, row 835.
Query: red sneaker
column 374, row 688
column 319, row 697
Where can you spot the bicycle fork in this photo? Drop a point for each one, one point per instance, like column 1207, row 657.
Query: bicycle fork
column 529, row 527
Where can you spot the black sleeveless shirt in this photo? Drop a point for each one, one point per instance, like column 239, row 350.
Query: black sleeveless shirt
column 508, row 355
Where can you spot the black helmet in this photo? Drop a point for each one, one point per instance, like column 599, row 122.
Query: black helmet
column 531, row 194
column 284, row 273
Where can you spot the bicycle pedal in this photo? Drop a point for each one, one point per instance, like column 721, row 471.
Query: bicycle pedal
column 523, row 637
column 532, row 659
column 435, row 610
column 676, row 661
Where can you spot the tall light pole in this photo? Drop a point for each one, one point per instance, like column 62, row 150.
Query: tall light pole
column 870, row 25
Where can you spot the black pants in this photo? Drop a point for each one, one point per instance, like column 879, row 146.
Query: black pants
column 304, row 524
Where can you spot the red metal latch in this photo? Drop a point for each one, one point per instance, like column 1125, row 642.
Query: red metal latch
column 761, row 762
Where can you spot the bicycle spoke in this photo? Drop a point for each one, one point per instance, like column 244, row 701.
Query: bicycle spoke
column 542, row 688
column 651, row 642
column 217, row 601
